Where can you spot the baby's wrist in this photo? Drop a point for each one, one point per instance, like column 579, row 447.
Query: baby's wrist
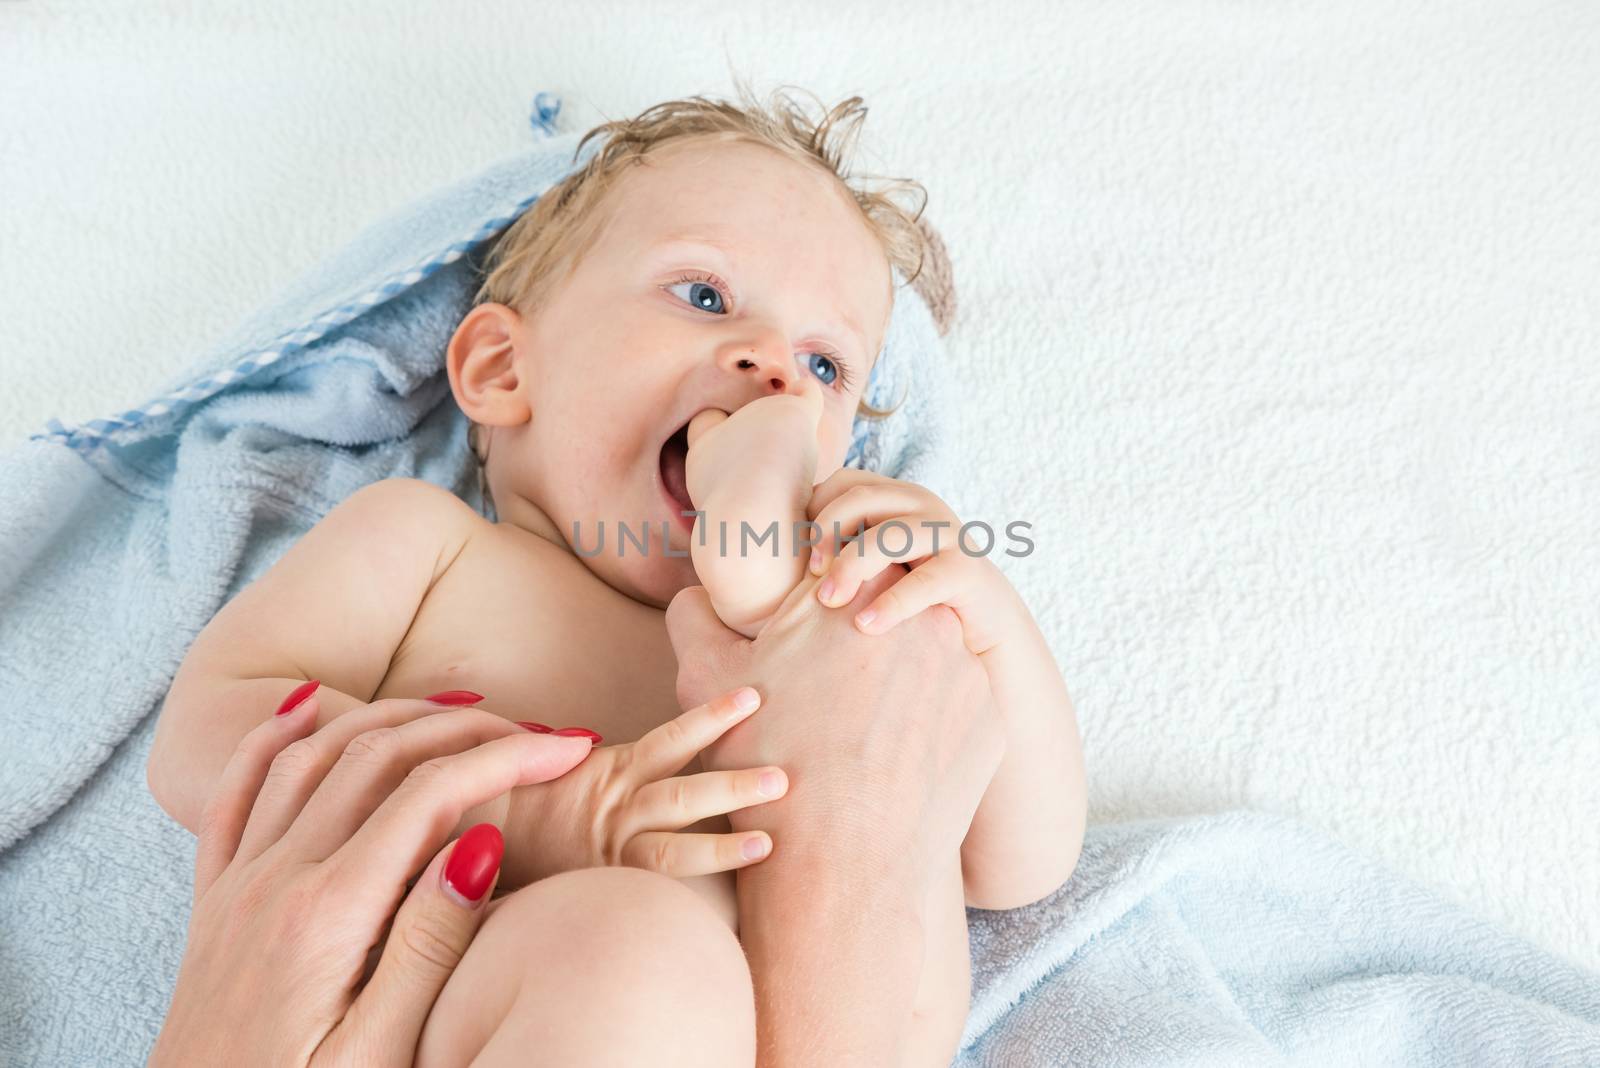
column 530, row 853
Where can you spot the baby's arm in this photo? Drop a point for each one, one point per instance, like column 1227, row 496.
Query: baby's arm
column 1028, row 830
column 750, row 478
column 334, row 608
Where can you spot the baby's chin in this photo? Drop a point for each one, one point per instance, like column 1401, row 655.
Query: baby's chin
column 650, row 580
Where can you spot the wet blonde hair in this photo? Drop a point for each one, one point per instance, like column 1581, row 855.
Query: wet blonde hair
column 544, row 245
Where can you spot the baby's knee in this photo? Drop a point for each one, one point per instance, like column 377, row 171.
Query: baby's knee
column 593, row 963
column 649, row 921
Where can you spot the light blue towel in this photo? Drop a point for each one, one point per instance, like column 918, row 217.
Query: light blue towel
column 119, row 539
column 1230, row 940
column 1246, row 939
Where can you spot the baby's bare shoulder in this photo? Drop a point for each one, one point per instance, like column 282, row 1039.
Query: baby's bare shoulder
column 409, row 493
column 336, row 605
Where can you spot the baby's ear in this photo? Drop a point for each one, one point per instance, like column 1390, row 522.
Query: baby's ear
column 481, row 360
column 936, row 282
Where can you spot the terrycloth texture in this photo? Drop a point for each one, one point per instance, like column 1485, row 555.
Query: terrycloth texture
column 1279, row 321
column 1232, row 941
column 155, row 516
column 121, row 538
column 1244, row 939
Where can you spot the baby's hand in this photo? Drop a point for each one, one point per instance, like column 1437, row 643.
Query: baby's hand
column 766, row 450
column 904, row 523
column 622, row 806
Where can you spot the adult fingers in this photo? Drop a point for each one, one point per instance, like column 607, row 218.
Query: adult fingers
column 300, row 768
column 419, row 815
column 685, row 855
column 228, row 812
column 670, row 804
column 374, row 763
column 431, row 932
column 667, row 748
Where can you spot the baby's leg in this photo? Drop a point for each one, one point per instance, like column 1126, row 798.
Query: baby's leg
column 599, row 966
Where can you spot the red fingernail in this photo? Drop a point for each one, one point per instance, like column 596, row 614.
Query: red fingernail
column 578, row 732
column 474, row 861
column 455, row 697
column 537, row 728
column 300, row 693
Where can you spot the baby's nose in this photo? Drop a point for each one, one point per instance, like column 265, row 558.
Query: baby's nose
column 766, row 364
column 772, row 379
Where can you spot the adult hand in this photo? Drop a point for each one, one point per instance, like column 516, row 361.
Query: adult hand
column 304, row 855
column 889, row 740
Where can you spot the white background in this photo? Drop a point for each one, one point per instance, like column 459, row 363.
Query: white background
column 1280, row 322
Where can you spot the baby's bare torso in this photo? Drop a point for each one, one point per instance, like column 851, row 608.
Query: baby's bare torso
column 528, row 626
column 524, row 623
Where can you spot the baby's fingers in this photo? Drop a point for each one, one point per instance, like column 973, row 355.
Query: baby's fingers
column 683, row 855
column 673, row 803
column 941, row 580
column 903, row 540
column 855, row 509
column 670, row 746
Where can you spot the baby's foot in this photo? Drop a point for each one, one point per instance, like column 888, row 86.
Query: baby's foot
column 761, row 460
column 750, row 476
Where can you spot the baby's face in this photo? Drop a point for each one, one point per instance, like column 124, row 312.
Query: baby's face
column 726, row 272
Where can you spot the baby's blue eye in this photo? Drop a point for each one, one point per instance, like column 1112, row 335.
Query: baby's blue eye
column 824, row 368
column 702, row 296
column 708, row 297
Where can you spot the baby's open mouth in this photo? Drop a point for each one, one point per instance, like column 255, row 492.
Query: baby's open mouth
column 674, row 477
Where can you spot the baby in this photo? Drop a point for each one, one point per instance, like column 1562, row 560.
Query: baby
column 674, row 340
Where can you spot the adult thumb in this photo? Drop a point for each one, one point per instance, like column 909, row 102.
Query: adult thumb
column 693, row 626
column 431, row 932
column 704, row 646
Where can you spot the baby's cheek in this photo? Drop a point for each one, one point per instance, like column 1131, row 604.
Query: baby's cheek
column 833, row 442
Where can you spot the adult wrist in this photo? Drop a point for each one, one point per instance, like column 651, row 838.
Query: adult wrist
column 836, row 943
column 842, row 856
